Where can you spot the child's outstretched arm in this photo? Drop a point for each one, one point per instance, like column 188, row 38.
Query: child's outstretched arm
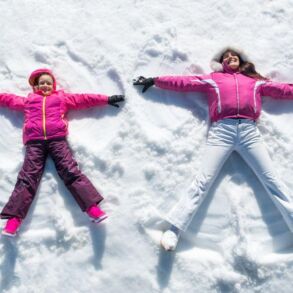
column 12, row 101
column 83, row 101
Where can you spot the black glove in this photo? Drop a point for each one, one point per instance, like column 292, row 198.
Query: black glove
column 113, row 100
column 146, row 82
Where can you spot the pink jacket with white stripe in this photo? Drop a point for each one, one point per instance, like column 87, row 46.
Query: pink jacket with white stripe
column 45, row 115
column 230, row 94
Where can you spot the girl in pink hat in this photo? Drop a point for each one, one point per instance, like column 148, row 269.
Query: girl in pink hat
column 44, row 133
column 234, row 91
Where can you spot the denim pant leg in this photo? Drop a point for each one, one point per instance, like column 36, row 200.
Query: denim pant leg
column 220, row 144
column 78, row 184
column 27, row 182
column 254, row 152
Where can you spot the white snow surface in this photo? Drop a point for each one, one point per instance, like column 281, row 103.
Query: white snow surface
column 143, row 156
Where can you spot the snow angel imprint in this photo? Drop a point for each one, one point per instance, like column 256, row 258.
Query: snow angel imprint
column 234, row 92
column 44, row 133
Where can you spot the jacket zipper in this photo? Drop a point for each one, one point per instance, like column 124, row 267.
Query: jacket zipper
column 237, row 93
column 44, row 117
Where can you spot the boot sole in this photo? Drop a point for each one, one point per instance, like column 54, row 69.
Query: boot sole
column 8, row 234
column 99, row 220
column 169, row 250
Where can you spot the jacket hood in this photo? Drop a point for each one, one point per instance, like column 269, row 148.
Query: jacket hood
column 216, row 65
column 36, row 73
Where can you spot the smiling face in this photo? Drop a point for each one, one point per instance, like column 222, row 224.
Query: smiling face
column 232, row 60
column 45, row 84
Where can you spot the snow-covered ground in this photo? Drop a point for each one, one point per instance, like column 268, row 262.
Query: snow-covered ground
column 143, row 156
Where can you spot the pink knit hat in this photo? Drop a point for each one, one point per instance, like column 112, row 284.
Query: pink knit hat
column 36, row 73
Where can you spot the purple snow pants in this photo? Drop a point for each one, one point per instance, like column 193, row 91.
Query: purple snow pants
column 30, row 175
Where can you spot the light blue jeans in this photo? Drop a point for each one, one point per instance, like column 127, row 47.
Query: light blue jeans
column 226, row 136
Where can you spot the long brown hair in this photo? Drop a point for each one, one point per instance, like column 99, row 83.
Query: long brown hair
column 246, row 68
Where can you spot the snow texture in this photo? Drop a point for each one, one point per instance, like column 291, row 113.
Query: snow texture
column 143, row 156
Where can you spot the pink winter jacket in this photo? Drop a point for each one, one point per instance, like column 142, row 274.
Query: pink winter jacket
column 45, row 115
column 230, row 94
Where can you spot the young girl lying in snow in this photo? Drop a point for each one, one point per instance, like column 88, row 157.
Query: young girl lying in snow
column 44, row 133
column 234, row 94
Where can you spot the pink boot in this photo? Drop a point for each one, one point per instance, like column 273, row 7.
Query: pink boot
column 11, row 227
column 96, row 214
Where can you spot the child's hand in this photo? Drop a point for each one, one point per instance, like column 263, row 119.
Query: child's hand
column 113, row 100
column 146, row 82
